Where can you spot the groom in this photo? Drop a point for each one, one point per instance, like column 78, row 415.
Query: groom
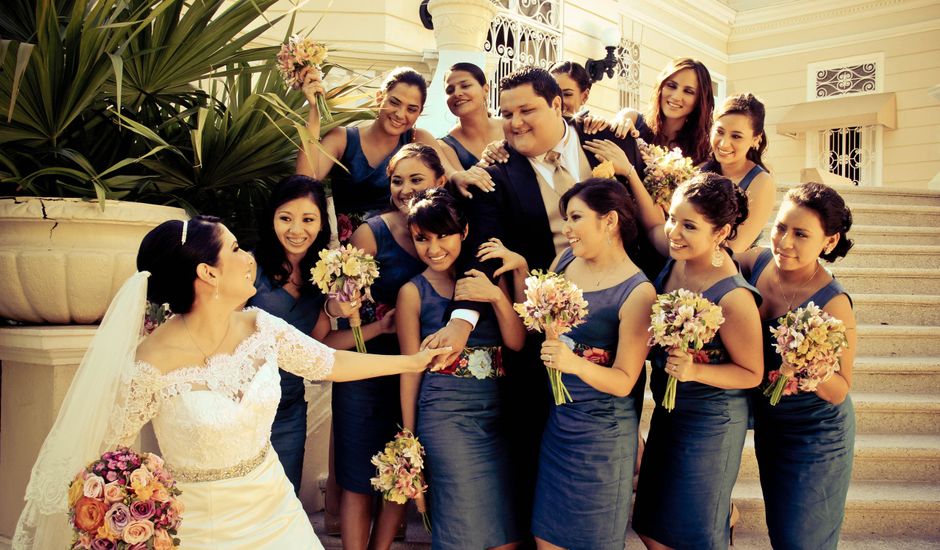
column 546, row 157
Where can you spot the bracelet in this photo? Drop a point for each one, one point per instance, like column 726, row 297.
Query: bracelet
column 326, row 309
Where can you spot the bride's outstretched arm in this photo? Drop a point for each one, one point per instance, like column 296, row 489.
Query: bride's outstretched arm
column 301, row 355
column 138, row 402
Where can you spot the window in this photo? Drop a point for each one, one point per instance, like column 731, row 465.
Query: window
column 628, row 73
column 524, row 32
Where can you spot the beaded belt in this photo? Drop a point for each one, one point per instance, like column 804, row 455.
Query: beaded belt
column 192, row 475
column 478, row 362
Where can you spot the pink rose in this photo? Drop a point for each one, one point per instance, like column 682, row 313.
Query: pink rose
column 162, row 540
column 142, row 509
column 114, row 492
column 93, row 487
column 153, row 462
column 344, row 227
column 137, row 531
column 117, row 517
column 102, row 544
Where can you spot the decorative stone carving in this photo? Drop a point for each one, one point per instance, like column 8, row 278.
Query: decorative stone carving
column 461, row 25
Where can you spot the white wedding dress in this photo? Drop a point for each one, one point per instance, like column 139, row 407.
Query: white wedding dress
column 213, row 424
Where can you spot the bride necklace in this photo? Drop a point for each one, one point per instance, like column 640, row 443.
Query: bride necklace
column 205, row 356
column 789, row 301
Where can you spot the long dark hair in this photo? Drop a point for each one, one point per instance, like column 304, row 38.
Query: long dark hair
column 693, row 136
column 270, row 253
column 751, row 107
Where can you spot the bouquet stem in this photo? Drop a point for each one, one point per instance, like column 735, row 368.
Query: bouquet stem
column 775, row 390
column 422, row 506
column 355, row 323
column 559, row 391
column 324, row 109
column 669, row 398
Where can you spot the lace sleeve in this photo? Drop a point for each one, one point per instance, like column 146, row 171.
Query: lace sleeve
column 138, row 402
column 298, row 353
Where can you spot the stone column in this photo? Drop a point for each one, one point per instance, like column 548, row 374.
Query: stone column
column 37, row 367
column 460, row 28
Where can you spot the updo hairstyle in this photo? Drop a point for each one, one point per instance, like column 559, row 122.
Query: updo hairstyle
column 831, row 210
column 717, row 198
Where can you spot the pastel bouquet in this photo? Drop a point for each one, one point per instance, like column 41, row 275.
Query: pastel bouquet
column 683, row 320
column 298, row 56
column 810, row 342
column 345, row 274
column 665, row 170
column 125, row 501
column 399, row 471
column 555, row 305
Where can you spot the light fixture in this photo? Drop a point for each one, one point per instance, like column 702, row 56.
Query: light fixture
column 597, row 68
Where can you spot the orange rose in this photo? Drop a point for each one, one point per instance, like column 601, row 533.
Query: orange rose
column 89, row 514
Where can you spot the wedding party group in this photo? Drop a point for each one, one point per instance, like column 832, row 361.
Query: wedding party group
column 499, row 298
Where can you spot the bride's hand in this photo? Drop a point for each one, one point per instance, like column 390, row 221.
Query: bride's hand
column 430, row 359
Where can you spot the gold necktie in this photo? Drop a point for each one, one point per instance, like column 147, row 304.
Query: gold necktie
column 561, row 178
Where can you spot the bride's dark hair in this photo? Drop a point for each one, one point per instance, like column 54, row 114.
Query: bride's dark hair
column 172, row 263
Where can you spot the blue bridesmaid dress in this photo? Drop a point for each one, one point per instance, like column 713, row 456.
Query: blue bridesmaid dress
column 459, row 422
column 364, row 190
column 804, row 449
column 289, row 432
column 692, row 455
column 466, row 158
column 367, row 413
column 585, row 477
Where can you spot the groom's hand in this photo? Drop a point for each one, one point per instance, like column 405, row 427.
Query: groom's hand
column 455, row 334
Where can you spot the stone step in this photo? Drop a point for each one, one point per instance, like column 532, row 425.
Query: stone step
column 878, row 457
column 896, row 374
column 895, row 309
column 896, row 413
column 888, row 280
column 879, row 195
column 892, row 215
column 886, row 508
column 892, row 255
column 898, row 340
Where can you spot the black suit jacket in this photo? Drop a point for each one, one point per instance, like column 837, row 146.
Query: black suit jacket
column 515, row 213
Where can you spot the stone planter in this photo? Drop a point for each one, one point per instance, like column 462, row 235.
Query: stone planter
column 62, row 260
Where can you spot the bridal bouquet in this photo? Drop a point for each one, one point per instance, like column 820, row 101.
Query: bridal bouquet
column 682, row 320
column 553, row 304
column 809, row 341
column 298, row 56
column 665, row 170
column 398, row 471
column 125, row 501
column 346, row 273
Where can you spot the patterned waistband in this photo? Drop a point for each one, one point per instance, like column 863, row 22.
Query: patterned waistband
column 598, row 356
column 192, row 475
column 477, row 362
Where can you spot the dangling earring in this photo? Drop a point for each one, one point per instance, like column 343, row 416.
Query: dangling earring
column 608, row 240
column 216, row 293
column 718, row 258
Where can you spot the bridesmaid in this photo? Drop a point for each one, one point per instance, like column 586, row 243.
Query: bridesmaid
column 693, row 453
column 680, row 113
column 805, row 443
column 366, row 413
column 738, row 143
column 291, row 237
column 467, row 93
column 457, row 411
column 582, row 496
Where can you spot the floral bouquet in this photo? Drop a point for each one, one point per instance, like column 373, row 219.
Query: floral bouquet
column 682, row 320
column 346, row 273
column 665, row 170
column 298, row 56
column 399, row 472
column 553, row 304
column 810, row 342
column 125, row 501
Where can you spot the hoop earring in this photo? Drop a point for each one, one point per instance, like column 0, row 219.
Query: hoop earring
column 718, row 259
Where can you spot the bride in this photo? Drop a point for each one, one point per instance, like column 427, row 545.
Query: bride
column 207, row 379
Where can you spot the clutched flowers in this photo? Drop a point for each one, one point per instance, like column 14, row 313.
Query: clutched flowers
column 683, row 320
column 399, row 471
column 296, row 57
column 346, row 274
column 554, row 305
column 665, row 170
column 125, row 500
column 810, row 342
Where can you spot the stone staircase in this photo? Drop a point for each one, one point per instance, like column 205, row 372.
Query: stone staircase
column 893, row 274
